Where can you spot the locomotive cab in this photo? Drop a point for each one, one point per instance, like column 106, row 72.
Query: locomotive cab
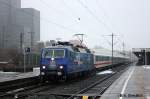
column 53, row 62
column 65, row 61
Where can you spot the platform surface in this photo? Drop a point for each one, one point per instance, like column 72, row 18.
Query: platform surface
column 8, row 76
column 132, row 84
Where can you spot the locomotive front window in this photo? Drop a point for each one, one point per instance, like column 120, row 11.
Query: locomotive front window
column 55, row 53
column 48, row 53
column 59, row 53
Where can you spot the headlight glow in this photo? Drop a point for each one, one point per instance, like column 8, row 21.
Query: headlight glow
column 44, row 67
column 59, row 73
column 52, row 59
column 61, row 67
column 42, row 73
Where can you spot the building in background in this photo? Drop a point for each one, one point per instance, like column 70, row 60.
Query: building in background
column 29, row 18
column 38, row 46
column 143, row 55
column 18, row 26
column 48, row 43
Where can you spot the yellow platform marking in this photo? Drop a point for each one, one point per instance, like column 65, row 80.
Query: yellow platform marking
column 85, row 97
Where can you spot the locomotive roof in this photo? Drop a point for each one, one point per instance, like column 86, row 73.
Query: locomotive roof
column 76, row 47
column 71, row 48
column 57, row 47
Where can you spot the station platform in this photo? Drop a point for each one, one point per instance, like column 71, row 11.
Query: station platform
column 8, row 76
column 132, row 84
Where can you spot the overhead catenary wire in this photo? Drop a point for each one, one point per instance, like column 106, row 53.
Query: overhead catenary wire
column 51, row 7
column 62, row 13
column 41, row 18
column 95, row 17
column 104, row 13
column 28, row 13
column 50, row 21
column 69, row 9
column 74, row 14
column 108, row 17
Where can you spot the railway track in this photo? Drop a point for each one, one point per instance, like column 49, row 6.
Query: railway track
column 96, row 89
column 92, row 86
column 9, row 87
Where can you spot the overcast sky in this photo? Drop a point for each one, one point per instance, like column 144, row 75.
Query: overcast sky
column 128, row 19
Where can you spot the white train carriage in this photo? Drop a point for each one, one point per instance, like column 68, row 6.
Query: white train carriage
column 103, row 58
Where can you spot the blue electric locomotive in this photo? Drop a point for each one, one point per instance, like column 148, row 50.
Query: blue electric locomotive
column 64, row 60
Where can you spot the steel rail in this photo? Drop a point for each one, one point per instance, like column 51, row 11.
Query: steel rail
column 9, row 87
column 106, row 81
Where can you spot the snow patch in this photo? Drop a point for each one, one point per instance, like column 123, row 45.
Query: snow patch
column 146, row 67
column 36, row 71
column 105, row 72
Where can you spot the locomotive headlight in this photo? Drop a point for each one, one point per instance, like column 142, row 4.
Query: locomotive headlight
column 61, row 67
column 59, row 73
column 42, row 73
column 44, row 67
column 52, row 59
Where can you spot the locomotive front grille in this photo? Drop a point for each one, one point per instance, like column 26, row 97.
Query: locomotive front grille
column 52, row 65
column 51, row 72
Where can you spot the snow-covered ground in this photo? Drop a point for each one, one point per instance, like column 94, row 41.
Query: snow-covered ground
column 105, row 72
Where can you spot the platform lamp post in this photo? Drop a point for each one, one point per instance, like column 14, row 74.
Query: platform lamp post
column 145, row 57
column 123, row 49
column 3, row 36
column 32, row 38
column 22, row 50
column 32, row 43
column 24, row 66
column 112, row 46
column 112, row 49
